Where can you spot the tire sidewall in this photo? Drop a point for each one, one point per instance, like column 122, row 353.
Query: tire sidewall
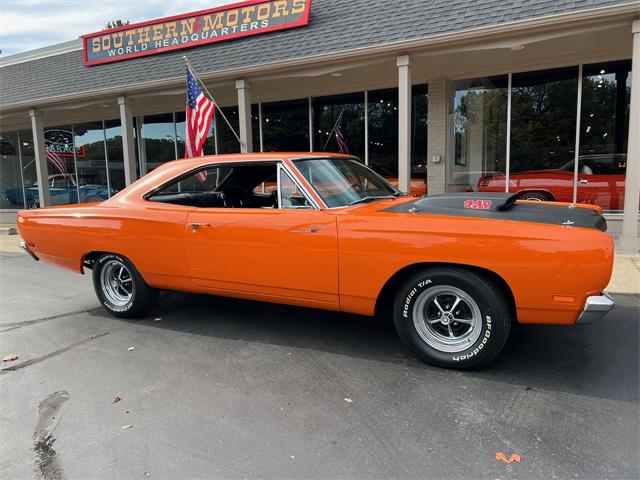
column 406, row 303
column 97, row 282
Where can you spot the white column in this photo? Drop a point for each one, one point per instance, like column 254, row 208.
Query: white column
column 629, row 241
column 244, row 115
column 437, row 135
column 128, row 142
column 404, row 122
column 40, row 152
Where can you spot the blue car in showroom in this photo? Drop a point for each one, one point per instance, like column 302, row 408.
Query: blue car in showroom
column 62, row 189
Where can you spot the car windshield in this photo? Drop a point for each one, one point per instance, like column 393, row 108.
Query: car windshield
column 342, row 182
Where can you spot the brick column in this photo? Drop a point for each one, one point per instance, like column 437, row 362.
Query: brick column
column 437, row 135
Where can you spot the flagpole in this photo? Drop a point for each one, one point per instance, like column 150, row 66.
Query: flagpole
column 204, row 87
column 333, row 130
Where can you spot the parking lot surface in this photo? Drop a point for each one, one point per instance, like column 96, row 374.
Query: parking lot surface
column 218, row 388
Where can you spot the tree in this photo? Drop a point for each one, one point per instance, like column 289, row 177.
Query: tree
column 116, row 24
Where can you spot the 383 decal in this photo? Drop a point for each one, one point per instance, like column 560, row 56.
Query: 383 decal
column 478, row 204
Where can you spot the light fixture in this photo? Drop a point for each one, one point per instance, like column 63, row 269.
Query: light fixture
column 516, row 48
column 336, row 74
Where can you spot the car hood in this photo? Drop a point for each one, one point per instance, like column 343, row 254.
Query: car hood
column 501, row 206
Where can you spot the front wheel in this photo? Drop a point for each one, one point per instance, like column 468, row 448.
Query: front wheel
column 452, row 317
column 120, row 287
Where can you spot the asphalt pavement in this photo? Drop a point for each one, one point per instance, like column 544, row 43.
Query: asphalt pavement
column 209, row 387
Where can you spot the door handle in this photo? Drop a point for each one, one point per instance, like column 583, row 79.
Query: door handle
column 584, row 181
column 195, row 226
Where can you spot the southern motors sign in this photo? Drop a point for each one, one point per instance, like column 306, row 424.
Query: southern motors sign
column 193, row 29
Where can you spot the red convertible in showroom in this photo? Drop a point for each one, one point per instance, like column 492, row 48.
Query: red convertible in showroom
column 454, row 271
column 600, row 182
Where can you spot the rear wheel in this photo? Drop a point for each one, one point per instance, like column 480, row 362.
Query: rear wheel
column 120, row 287
column 452, row 317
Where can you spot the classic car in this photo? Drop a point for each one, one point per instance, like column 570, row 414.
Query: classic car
column 62, row 189
column 455, row 271
column 600, row 182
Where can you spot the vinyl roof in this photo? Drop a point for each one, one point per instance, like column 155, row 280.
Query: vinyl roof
column 334, row 26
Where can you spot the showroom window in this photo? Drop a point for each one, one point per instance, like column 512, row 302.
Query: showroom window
column 91, row 161
column 285, row 126
column 419, row 121
column 531, row 149
column 479, row 123
column 383, row 131
column 10, row 171
column 604, row 126
column 158, row 143
column 346, row 114
column 61, row 165
column 115, row 155
column 29, row 176
column 543, row 121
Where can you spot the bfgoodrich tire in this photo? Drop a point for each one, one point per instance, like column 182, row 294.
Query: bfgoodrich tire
column 120, row 287
column 452, row 317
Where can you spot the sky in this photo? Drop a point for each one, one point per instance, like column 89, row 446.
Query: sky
column 29, row 24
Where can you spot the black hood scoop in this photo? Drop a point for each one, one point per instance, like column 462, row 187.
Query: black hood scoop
column 501, row 206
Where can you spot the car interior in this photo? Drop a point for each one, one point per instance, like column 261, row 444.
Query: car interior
column 243, row 186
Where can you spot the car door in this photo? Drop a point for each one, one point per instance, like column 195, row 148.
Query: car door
column 289, row 252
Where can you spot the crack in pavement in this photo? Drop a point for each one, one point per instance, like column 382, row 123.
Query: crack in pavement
column 47, row 466
column 5, row 327
column 55, row 353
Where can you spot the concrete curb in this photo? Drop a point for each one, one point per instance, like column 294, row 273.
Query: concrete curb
column 8, row 229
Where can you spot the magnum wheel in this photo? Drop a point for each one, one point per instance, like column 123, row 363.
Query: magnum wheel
column 452, row 317
column 120, row 287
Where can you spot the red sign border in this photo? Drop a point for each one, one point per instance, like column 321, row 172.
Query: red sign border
column 304, row 20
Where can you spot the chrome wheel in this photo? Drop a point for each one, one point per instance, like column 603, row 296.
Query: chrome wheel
column 447, row 318
column 116, row 283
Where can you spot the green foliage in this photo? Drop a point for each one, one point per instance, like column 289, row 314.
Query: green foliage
column 116, row 24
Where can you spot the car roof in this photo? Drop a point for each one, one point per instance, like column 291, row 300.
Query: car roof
column 261, row 157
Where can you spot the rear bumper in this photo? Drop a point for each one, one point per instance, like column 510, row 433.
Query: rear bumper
column 23, row 245
column 595, row 308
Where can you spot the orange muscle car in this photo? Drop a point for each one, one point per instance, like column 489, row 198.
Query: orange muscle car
column 453, row 270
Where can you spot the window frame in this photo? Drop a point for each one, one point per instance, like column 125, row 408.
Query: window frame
column 279, row 163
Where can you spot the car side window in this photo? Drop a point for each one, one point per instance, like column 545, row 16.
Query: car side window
column 290, row 195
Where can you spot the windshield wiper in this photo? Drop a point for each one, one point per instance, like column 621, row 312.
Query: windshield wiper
column 371, row 197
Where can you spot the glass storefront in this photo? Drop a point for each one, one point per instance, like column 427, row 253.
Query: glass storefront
column 115, row 155
column 85, row 163
column 285, row 126
column 479, row 131
column 383, row 132
column 10, row 171
column 91, row 161
column 604, row 126
column 158, row 145
column 541, row 159
column 338, row 123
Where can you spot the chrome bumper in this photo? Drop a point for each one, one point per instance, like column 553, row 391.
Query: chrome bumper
column 23, row 245
column 596, row 307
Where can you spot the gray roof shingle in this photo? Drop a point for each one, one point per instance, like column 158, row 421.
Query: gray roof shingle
column 335, row 25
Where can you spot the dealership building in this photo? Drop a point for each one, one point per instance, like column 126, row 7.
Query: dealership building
column 536, row 98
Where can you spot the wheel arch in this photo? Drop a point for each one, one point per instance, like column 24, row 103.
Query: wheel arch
column 386, row 294
column 547, row 193
column 89, row 258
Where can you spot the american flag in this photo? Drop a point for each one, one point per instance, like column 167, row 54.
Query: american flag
column 341, row 139
column 200, row 111
column 56, row 160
